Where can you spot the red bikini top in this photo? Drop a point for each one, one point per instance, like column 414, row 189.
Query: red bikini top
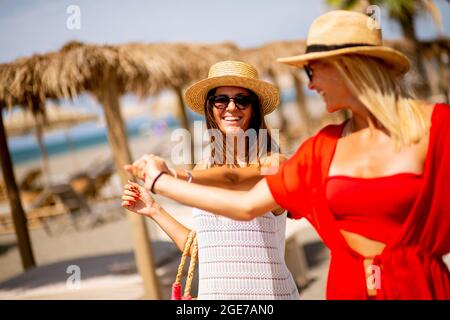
column 374, row 208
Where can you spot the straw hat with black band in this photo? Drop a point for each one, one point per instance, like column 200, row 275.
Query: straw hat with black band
column 234, row 74
column 347, row 32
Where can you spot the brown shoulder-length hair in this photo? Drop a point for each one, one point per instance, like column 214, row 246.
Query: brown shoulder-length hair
column 257, row 122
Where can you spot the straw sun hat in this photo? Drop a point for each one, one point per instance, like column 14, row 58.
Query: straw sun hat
column 234, row 74
column 346, row 32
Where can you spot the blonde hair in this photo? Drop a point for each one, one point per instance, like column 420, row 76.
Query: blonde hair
column 385, row 96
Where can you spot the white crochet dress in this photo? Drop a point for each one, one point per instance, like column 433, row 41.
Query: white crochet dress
column 242, row 260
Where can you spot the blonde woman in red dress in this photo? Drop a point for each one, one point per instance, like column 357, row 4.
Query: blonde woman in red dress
column 375, row 187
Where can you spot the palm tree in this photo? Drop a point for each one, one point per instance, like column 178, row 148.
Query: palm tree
column 405, row 12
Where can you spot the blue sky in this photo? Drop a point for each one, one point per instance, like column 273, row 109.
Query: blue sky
column 28, row 27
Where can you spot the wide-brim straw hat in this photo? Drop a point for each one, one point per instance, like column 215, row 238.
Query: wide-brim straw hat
column 232, row 74
column 343, row 32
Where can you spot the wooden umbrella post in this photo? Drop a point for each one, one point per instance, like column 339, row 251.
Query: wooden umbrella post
column 43, row 151
column 305, row 117
column 18, row 214
column 283, row 121
column 109, row 98
column 185, row 123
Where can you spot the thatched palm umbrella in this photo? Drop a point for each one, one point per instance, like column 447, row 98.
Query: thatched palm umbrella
column 57, row 117
column 21, row 83
column 107, row 72
column 23, row 122
column 439, row 51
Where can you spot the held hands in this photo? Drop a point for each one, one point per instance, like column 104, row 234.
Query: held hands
column 147, row 169
column 135, row 198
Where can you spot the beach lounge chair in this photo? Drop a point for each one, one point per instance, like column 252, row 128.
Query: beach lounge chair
column 30, row 179
column 69, row 207
column 75, row 204
column 90, row 182
column 36, row 217
column 47, row 207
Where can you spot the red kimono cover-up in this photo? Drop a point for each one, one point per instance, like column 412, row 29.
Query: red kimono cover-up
column 411, row 264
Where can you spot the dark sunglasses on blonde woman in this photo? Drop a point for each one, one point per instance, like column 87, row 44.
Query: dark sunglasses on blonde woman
column 309, row 72
column 242, row 102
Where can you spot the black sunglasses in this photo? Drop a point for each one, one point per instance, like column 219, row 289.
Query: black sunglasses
column 222, row 101
column 308, row 71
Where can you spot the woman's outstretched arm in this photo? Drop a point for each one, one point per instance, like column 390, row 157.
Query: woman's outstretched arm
column 238, row 205
column 223, row 177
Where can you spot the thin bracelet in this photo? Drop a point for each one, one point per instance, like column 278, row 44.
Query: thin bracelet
column 190, row 177
column 154, row 181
